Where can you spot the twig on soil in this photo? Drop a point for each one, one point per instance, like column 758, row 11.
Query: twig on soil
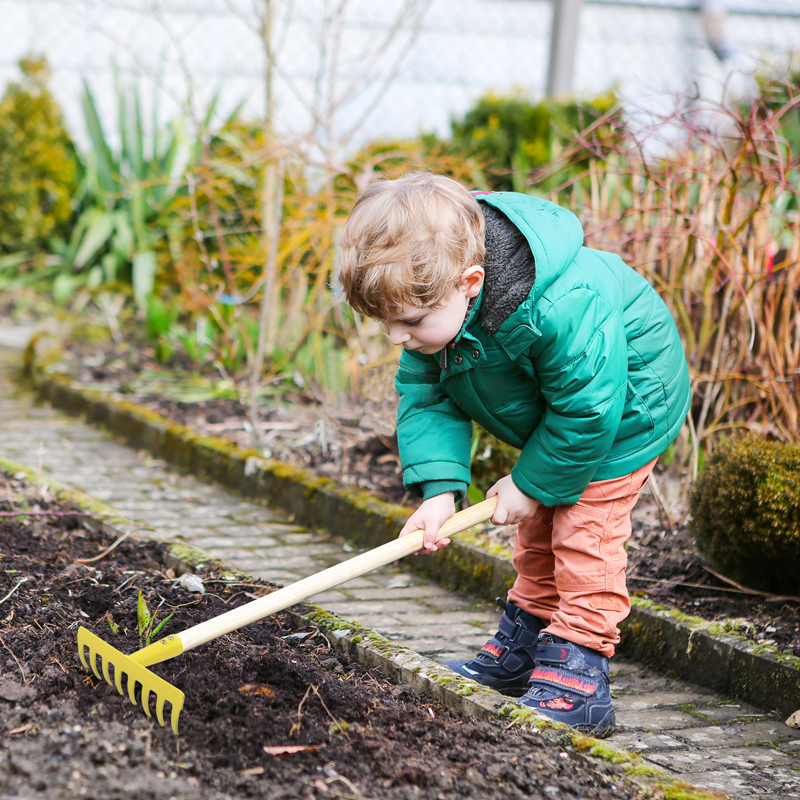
column 327, row 641
column 744, row 589
column 682, row 583
column 346, row 782
column 106, row 551
column 336, row 722
column 27, row 577
column 126, row 582
column 21, row 671
column 296, row 725
column 63, row 668
column 707, row 587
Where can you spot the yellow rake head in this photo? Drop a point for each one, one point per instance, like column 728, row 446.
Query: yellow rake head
column 136, row 672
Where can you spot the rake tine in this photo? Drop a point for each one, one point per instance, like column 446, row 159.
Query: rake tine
column 132, row 688
column 93, row 663
column 118, row 678
column 105, row 663
column 81, row 647
column 176, row 710
column 146, row 701
column 160, row 702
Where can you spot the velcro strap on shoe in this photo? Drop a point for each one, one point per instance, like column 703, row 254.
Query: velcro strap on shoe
column 517, row 633
column 564, row 679
column 506, row 627
column 553, row 653
column 493, row 649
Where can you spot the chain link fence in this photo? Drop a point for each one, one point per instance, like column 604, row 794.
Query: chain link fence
column 348, row 73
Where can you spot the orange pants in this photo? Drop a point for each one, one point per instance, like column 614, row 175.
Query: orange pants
column 570, row 562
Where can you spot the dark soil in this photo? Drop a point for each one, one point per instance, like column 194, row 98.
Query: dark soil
column 357, row 447
column 65, row 734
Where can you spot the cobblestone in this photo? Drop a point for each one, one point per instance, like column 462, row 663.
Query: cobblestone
column 709, row 741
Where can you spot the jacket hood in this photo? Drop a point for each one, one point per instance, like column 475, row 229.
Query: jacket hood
column 555, row 235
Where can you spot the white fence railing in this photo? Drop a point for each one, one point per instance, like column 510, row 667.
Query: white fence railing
column 357, row 73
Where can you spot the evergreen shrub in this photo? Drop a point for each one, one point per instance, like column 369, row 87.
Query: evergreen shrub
column 745, row 512
column 38, row 163
column 516, row 135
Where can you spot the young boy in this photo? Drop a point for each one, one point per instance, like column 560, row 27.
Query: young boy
column 559, row 350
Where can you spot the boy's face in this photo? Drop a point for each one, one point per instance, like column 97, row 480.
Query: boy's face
column 427, row 329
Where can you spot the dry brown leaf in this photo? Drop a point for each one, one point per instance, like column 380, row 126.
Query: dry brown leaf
column 260, row 591
column 281, row 749
column 254, row 688
column 21, row 729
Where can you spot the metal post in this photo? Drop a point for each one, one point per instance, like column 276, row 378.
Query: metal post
column 563, row 40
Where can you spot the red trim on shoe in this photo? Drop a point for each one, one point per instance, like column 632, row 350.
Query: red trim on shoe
column 558, row 703
column 560, row 679
column 492, row 649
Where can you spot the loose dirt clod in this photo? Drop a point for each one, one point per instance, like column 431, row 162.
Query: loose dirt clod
column 269, row 714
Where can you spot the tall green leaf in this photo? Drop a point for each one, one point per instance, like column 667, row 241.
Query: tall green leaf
column 102, row 156
column 99, row 227
column 144, row 275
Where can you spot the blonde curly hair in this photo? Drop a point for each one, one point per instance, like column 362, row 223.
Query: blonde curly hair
column 407, row 241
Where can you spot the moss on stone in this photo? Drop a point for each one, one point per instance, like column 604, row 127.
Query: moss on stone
column 674, row 613
column 332, row 622
column 683, row 791
column 484, row 543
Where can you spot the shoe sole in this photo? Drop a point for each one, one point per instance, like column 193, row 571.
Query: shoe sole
column 508, row 691
column 603, row 728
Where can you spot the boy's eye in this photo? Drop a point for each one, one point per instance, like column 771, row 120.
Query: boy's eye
column 411, row 323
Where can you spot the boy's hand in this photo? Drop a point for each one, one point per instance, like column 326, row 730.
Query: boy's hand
column 430, row 516
column 512, row 504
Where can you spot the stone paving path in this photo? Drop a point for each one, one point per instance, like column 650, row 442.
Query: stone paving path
column 712, row 742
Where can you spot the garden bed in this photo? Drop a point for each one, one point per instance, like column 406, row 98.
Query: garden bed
column 356, row 447
column 271, row 711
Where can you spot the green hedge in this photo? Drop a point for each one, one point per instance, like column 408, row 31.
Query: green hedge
column 745, row 512
column 38, row 163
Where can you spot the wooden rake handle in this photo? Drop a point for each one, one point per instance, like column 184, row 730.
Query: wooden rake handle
column 333, row 576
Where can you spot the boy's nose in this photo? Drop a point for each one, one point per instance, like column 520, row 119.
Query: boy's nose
column 395, row 333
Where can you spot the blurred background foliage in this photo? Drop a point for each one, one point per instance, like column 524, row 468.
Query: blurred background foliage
column 517, row 137
column 38, row 164
column 164, row 232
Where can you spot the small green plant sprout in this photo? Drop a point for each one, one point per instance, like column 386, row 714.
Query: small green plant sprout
column 338, row 727
column 147, row 621
column 111, row 624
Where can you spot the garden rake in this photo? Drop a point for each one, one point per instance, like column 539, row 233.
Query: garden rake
column 134, row 666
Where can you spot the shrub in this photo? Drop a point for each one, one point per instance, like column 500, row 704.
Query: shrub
column 518, row 137
column 38, row 163
column 745, row 507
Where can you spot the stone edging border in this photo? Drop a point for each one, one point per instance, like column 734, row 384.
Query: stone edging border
column 397, row 663
column 706, row 653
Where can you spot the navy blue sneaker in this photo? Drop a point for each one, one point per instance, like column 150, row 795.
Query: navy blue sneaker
column 505, row 662
column 570, row 684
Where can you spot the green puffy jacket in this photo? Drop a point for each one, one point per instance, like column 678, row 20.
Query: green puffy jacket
column 587, row 376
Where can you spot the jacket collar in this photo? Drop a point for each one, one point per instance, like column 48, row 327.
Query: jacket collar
column 516, row 335
column 473, row 310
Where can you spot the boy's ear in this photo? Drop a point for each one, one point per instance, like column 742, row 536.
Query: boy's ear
column 471, row 280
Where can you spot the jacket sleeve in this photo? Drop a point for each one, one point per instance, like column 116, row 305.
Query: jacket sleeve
column 581, row 363
column 433, row 434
